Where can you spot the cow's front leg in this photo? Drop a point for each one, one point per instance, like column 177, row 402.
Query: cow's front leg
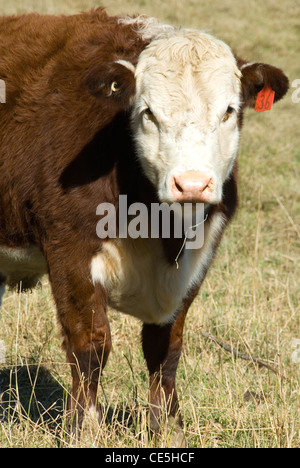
column 87, row 341
column 162, row 348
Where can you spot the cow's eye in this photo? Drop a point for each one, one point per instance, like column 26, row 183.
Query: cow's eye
column 228, row 113
column 148, row 112
column 149, row 116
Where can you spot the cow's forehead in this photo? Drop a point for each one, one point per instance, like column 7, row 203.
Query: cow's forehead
column 187, row 45
column 187, row 68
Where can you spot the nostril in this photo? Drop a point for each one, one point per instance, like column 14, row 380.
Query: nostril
column 179, row 188
column 205, row 185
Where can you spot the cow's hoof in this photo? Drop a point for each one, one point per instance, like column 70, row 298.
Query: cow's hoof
column 171, row 435
column 176, row 436
column 91, row 429
column 86, row 432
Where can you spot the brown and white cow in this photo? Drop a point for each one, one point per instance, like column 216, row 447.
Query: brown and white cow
column 99, row 107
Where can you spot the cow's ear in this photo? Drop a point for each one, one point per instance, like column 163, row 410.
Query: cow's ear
column 113, row 81
column 256, row 76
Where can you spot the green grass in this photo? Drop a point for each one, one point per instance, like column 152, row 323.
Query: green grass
column 249, row 300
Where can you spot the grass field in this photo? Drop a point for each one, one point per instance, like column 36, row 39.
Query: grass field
column 250, row 299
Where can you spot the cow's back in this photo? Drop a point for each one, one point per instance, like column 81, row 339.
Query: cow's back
column 30, row 42
column 50, row 117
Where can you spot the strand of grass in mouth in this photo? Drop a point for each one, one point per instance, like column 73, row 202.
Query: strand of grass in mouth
column 185, row 239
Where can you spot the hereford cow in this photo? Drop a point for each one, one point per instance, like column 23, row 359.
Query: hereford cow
column 98, row 107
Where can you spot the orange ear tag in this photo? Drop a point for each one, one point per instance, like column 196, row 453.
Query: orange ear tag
column 265, row 99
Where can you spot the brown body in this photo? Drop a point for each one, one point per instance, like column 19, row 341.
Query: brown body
column 66, row 147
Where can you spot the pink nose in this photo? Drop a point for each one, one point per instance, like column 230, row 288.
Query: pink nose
column 192, row 186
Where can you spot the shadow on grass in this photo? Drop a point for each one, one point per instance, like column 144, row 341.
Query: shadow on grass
column 32, row 394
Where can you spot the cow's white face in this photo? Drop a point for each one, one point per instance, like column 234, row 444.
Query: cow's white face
column 185, row 115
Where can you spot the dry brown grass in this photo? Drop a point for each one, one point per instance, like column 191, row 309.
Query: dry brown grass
column 249, row 300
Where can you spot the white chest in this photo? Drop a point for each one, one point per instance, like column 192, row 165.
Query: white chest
column 142, row 283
